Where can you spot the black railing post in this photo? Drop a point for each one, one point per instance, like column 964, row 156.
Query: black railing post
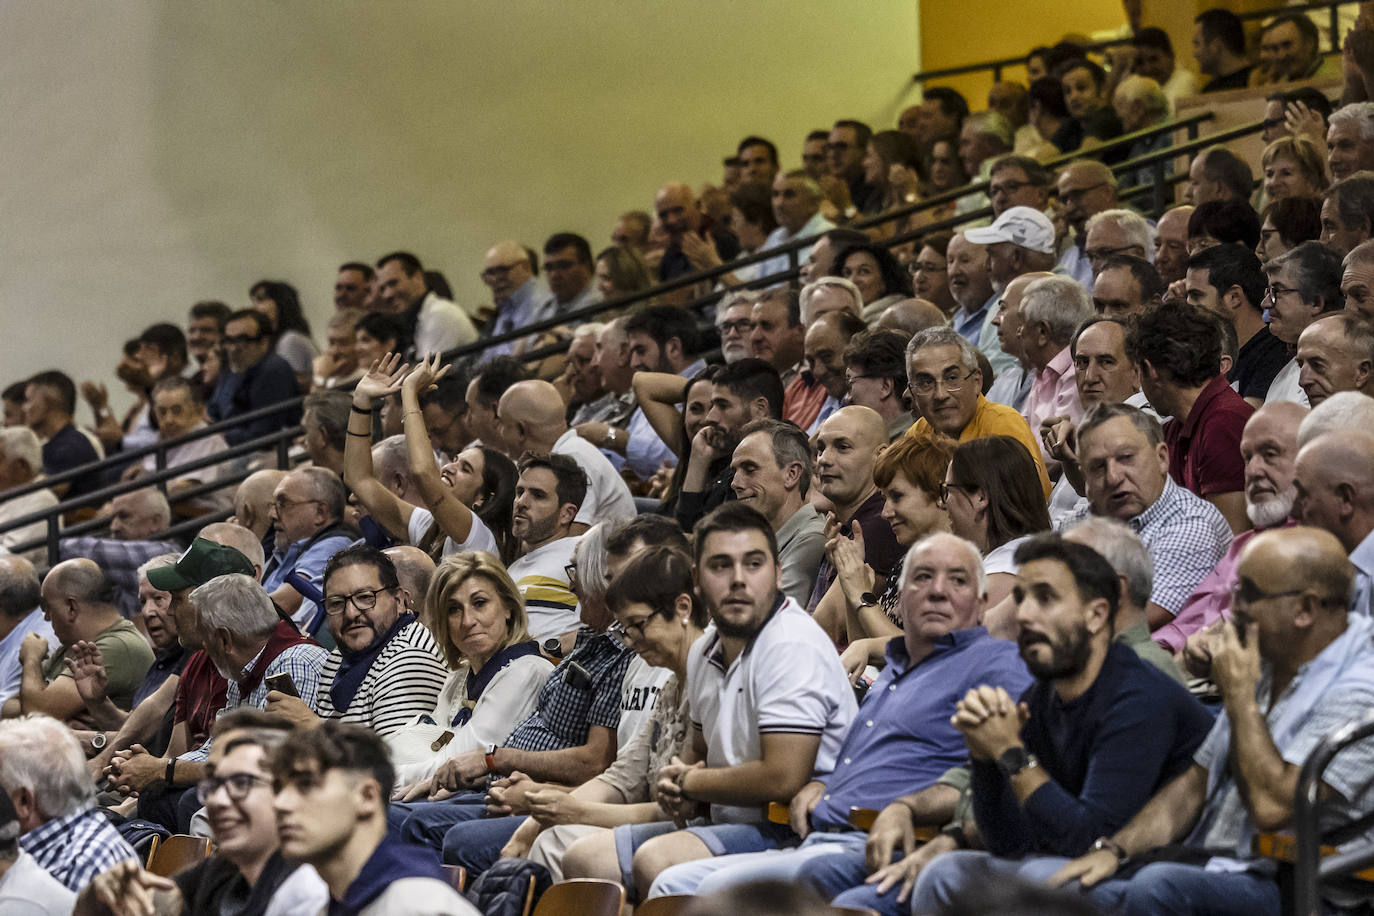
column 284, row 454
column 160, row 464
column 997, row 73
column 792, row 264
column 1335, row 11
column 54, row 521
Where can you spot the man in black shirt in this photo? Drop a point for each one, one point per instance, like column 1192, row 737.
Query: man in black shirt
column 1219, row 47
column 257, row 377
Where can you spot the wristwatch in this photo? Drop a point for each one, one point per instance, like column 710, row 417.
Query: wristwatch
column 98, row 742
column 868, row 599
column 610, row 436
column 1111, row 846
column 490, row 758
column 1016, row 759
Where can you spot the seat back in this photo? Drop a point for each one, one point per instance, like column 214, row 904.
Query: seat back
column 177, row 853
column 582, row 897
column 671, row 905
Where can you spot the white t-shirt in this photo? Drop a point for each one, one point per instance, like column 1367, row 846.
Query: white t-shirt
column 638, row 697
column 479, row 537
column 543, row 581
column 789, row 679
column 1285, row 386
column 608, row 498
column 1002, row 559
column 27, row 888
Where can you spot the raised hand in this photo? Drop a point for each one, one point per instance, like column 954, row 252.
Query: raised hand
column 382, row 379
column 87, row 666
column 424, row 375
column 96, row 395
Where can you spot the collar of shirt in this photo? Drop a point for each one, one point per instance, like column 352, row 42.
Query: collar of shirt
column 1159, row 508
column 899, row 662
column 788, row 529
column 36, row 838
column 693, row 369
column 521, row 296
column 1210, row 392
column 1055, row 368
column 715, row 649
column 1363, row 555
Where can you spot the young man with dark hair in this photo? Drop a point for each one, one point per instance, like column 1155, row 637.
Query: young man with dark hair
column 548, row 494
column 434, row 324
column 256, row 377
column 49, row 404
column 758, row 159
column 333, row 785
column 1219, row 49
column 353, row 286
column 1079, row 753
column 568, row 269
column 1229, row 281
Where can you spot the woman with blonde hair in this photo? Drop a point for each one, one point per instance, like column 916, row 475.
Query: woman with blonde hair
column 478, row 618
column 1293, row 167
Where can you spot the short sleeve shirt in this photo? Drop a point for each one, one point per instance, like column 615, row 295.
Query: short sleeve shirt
column 608, row 497
column 1204, row 449
column 542, row 578
column 127, row 659
column 479, row 536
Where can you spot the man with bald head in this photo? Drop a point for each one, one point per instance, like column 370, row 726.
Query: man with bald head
column 531, row 416
column 1336, row 353
column 1335, row 492
column 847, row 447
column 78, row 601
column 253, row 501
column 517, row 294
column 1086, row 188
column 414, row 569
column 135, row 519
column 1171, row 244
column 1269, row 448
column 1013, row 383
column 910, row 317
column 20, row 615
column 1291, row 667
column 680, row 216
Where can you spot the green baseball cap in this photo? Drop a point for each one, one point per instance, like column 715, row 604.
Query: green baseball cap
column 202, row 561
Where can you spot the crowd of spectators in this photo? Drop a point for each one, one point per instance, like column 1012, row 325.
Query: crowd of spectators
column 1049, row 540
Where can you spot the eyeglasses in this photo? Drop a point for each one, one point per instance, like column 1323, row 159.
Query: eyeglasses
column 945, row 489
column 364, row 599
column 496, row 271
column 632, row 626
column 1074, row 195
column 236, row 786
column 285, row 502
column 1098, row 255
column 953, row 380
column 1272, row 293
column 1007, row 187
column 571, row 571
column 917, row 267
column 739, row 326
column 241, row 339
column 851, row 379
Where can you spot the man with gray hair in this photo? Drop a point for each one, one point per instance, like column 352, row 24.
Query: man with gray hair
column 1117, row 232
column 1335, row 354
column 1051, row 310
column 307, row 517
column 78, row 601
column 21, row 461
column 1334, row 477
column 1140, row 102
column 1357, row 280
column 946, row 386
column 1304, row 284
column 1217, row 173
column 1121, row 547
column 20, row 615
column 797, row 208
column 1018, row 181
column 1346, row 410
column 1347, row 214
column 829, row 294
column 772, row 466
column 1020, row 241
column 324, row 420
column 43, row 771
column 1350, row 140
column 735, row 322
column 135, row 518
column 984, row 136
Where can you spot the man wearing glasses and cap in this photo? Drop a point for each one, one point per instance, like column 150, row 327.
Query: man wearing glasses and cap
column 1020, row 241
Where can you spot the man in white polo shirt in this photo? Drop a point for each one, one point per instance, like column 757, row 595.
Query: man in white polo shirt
column 547, row 496
column 531, row 417
column 769, row 703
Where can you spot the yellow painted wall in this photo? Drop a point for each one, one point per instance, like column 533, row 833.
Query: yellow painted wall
column 956, row 32
column 158, row 152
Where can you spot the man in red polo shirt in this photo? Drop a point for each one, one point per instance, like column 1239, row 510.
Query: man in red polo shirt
column 1178, row 350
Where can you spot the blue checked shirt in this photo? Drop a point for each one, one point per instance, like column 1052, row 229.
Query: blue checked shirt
column 119, row 560
column 1186, row 537
column 302, row 663
column 76, row 848
column 566, row 711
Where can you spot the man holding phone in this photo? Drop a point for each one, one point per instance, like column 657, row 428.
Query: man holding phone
column 1292, row 666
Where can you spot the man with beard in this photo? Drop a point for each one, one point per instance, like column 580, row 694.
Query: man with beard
column 548, row 493
column 1083, row 749
column 735, row 322
column 387, row 669
column 766, row 721
column 741, row 392
column 1269, row 447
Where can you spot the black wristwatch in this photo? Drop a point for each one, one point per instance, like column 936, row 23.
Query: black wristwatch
column 1111, row 846
column 1016, row 759
column 868, row 599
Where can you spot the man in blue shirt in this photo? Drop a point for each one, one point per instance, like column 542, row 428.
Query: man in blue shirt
column 1085, row 746
column 307, row 512
column 902, row 740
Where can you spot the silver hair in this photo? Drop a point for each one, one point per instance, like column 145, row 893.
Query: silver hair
column 1131, row 225
column 1144, row 89
column 236, row 603
column 238, row 537
column 992, row 124
column 590, row 329
column 1061, row 303
column 1359, row 115
column 327, row 487
column 1123, row 549
column 942, row 336
column 973, row 552
column 161, row 561
column 40, row 754
column 1343, row 411
column 592, row 571
column 391, row 457
column 809, row 291
column 20, row 442
column 153, row 502
column 20, row 588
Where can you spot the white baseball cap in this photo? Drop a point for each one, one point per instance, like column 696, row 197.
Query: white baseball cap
column 1026, row 227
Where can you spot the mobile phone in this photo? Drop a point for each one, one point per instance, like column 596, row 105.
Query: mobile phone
column 282, row 683
column 576, row 677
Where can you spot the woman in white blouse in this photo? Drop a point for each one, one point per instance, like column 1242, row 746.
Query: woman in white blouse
column 478, row 619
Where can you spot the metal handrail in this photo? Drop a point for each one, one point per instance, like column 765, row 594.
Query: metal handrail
column 281, row 438
column 996, row 65
column 1310, row 870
